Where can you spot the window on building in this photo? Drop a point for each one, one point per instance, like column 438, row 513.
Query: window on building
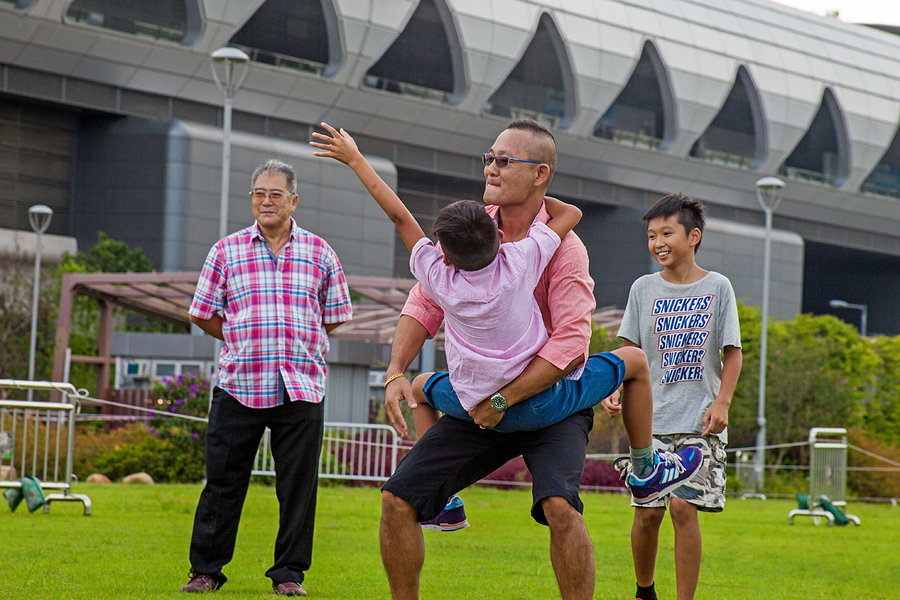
column 37, row 145
column 737, row 136
column 644, row 112
column 425, row 60
column 297, row 34
column 20, row 4
column 884, row 180
column 823, row 153
column 172, row 20
column 542, row 84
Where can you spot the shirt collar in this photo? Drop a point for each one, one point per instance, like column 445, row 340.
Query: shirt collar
column 256, row 234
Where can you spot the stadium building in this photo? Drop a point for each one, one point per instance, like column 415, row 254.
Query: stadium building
column 110, row 115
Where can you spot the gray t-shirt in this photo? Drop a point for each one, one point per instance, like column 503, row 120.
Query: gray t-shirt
column 682, row 328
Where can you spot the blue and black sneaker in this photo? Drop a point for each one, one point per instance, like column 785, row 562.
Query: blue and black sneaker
column 670, row 471
column 451, row 518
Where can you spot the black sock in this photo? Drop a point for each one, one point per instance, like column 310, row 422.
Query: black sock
column 646, row 593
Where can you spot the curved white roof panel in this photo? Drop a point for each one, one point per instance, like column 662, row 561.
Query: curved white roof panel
column 792, row 57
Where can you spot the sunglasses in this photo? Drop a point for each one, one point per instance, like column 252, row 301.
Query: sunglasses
column 502, row 161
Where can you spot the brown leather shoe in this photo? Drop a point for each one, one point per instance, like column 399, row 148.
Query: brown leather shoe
column 201, row 583
column 288, row 588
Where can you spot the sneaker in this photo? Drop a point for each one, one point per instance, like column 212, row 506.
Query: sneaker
column 288, row 588
column 671, row 471
column 451, row 518
column 201, row 583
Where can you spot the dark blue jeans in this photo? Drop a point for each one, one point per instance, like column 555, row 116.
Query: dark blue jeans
column 232, row 440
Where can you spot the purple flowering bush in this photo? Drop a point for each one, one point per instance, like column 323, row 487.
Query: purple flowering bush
column 172, row 448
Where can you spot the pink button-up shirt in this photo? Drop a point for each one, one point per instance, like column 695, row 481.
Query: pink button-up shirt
column 275, row 313
column 564, row 294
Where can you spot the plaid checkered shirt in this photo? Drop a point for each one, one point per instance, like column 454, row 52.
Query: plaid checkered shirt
column 275, row 313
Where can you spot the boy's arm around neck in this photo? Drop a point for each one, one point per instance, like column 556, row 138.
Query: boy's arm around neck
column 563, row 217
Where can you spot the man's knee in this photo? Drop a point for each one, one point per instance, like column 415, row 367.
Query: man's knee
column 395, row 509
column 560, row 514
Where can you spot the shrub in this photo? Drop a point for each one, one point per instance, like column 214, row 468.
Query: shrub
column 169, row 449
column 872, row 484
column 91, row 444
column 597, row 473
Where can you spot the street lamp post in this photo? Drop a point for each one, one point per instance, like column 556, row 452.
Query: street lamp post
column 769, row 192
column 862, row 308
column 233, row 64
column 39, row 217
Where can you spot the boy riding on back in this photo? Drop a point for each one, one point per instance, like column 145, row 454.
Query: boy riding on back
column 494, row 327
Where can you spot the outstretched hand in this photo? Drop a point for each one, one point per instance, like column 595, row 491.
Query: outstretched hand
column 340, row 146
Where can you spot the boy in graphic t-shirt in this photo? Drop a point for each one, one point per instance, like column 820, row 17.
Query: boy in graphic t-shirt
column 685, row 319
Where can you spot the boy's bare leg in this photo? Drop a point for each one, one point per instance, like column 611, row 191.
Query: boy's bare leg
column 637, row 404
column 688, row 547
column 424, row 416
column 402, row 547
column 645, row 543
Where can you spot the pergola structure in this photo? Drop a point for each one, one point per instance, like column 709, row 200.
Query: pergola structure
column 167, row 296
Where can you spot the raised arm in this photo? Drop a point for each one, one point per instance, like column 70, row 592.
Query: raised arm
column 563, row 217
column 341, row 146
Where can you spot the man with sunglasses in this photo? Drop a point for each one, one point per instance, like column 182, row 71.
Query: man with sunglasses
column 455, row 453
column 271, row 292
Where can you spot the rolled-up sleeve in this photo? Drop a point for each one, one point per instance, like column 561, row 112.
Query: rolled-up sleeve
column 423, row 309
column 568, row 304
column 209, row 297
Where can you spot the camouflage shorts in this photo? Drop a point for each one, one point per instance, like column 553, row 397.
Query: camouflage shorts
column 706, row 489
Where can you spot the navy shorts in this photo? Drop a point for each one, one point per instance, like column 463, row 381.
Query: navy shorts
column 602, row 375
column 453, row 454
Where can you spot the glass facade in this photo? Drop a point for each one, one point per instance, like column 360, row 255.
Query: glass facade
column 731, row 138
column 639, row 114
column 159, row 20
column 421, row 62
column 298, row 34
column 536, row 87
column 884, row 180
column 37, row 144
column 820, row 155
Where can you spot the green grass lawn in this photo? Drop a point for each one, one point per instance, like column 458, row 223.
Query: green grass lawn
column 135, row 545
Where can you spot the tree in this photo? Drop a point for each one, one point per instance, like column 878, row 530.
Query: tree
column 16, row 289
column 106, row 256
column 881, row 408
column 819, row 374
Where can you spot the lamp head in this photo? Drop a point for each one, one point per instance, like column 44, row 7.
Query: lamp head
column 838, row 304
column 233, row 65
column 769, row 191
column 39, row 217
column 230, row 54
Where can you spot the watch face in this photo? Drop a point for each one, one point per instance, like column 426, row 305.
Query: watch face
column 498, row 402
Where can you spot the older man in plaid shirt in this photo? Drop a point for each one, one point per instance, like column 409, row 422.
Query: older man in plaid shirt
column 271, row 292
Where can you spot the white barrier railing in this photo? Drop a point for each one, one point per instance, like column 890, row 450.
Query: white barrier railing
column 41, row 440
column 349, row 451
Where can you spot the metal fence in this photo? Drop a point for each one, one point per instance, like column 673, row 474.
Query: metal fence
column 40, row 441
column 356, row 451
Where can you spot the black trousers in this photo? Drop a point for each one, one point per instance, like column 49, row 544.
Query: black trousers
column 232, row 440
